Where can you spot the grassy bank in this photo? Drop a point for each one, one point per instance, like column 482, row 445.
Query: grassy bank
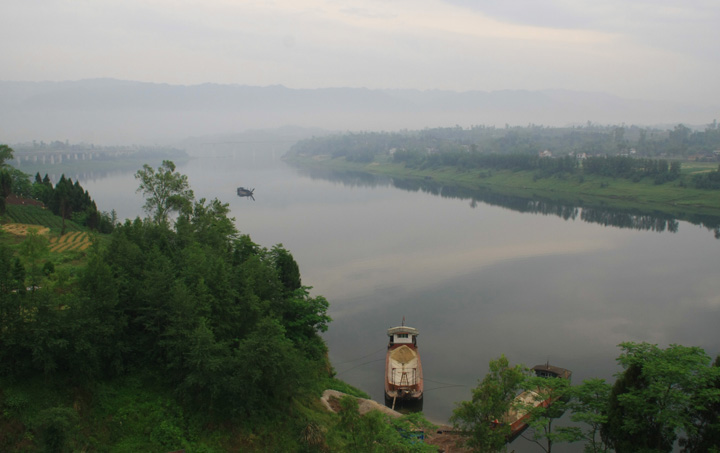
column 675, row 198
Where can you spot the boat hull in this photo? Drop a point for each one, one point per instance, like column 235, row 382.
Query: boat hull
column 403, row 373
column 518, row 419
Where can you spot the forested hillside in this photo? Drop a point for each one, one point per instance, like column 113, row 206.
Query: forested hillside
column 198, row 307
column 173, row 331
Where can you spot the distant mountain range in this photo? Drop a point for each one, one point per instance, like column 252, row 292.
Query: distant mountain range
column 108, row 111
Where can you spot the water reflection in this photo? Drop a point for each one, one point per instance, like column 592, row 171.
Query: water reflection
column 621, row 218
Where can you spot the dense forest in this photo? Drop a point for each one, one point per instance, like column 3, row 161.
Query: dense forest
column 202, row 309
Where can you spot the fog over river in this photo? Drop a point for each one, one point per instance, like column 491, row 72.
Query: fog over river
column 478, row 280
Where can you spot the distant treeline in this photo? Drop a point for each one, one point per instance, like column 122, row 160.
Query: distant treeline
column 59, row 146
column 629, row 168
column 613, row 151
column 613, row 166
column 592, row 140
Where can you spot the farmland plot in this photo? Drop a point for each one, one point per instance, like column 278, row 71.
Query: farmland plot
column 76, row 240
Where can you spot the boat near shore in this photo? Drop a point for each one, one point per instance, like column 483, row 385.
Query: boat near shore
column 518, row 418
column 403, row 368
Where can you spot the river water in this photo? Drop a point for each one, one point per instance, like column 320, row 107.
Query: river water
column 478, row 279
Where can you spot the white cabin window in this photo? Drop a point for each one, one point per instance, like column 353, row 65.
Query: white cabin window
column 402, row 338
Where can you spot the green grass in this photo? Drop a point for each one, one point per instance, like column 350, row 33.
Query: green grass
column 693, row 168
column 340, row 386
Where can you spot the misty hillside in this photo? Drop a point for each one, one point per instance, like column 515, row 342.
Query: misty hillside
column 115, row 111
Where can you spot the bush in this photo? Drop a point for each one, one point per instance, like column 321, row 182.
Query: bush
column 56, row 427
column 48, row 268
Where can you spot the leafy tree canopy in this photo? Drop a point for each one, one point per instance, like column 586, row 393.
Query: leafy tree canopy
column 6, row 154
column 165, row 191
column 491, row 400
column 658, row 396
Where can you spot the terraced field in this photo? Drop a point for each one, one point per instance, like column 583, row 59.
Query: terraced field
column 21, row 229
column 77, row 240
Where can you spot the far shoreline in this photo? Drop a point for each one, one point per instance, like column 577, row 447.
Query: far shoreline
column 642, row 198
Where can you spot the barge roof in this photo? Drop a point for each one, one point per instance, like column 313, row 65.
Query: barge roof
column 402, row 329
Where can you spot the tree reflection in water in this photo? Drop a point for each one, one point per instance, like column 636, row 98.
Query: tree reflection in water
column 603, row 215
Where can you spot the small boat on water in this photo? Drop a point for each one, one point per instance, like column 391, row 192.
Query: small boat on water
column 518, row 418
column 244, row 192
column 403, row 369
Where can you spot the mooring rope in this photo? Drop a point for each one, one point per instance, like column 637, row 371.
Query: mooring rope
column 444, row 385
column 358, row 366
column 360, row 358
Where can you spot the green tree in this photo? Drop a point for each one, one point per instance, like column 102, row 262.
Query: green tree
column 208, row 223
column 657, row 395
column 21, row 185
column 287, row 268
column 61, row 202
column 304, row 317
column 42, row 189
column 491, row 400
column 706, row 419
column 541, row 429
column 11, row 179
column 5, row 189
column 57, row 427
column 165, row 191
column 19, row 274
column 589, row 407
column 359, row 434
column 6, row 154
column 33, row 249
column 5, row 183
column 12, row 325
column 98, row 322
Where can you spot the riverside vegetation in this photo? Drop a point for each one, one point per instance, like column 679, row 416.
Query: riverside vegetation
column 662, row 397
column 177, row 331
column 627, row 168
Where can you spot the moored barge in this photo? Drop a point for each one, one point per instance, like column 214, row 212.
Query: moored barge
column 518, row 418
column 403, row 369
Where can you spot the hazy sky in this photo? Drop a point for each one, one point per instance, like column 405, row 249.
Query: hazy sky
column 658, row 49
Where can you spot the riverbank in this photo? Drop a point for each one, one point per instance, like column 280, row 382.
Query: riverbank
column 676, row 198
column 443, row 437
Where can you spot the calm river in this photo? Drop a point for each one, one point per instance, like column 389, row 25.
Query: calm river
column 478, row 280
